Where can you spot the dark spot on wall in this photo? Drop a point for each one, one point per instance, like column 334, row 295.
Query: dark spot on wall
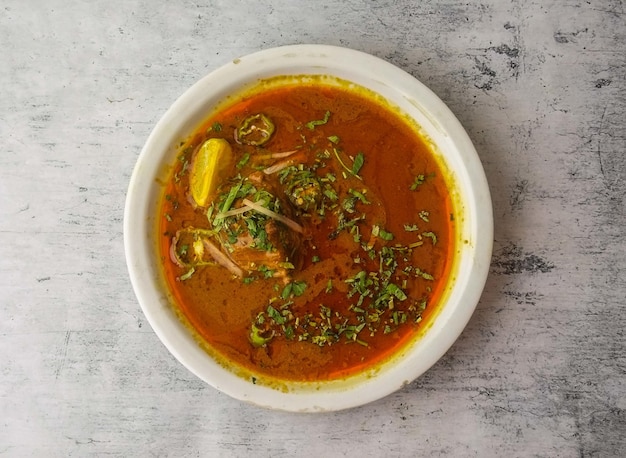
column 567, row 37
column 484, row 69
column 486, row 77
column 44, row 117
column 518, row 195
column 511, row 259
column 496, row 65
column 560, row 38
column 602, row 82
column 508, row 26
column 506, row 50
column 528, row 298
column 486, row 86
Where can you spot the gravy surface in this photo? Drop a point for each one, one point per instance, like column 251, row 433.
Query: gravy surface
column 373, row 255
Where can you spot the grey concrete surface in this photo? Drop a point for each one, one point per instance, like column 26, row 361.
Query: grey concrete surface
column 540, row 87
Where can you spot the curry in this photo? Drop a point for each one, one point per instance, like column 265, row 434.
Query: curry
column 307, row 231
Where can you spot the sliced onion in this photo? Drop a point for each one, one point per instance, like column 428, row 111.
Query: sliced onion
column 266, row 211
column 277, row 167
column 285, row 154
column 278, row 155
column 222, row 259
column 173, row 255
column 233, row 212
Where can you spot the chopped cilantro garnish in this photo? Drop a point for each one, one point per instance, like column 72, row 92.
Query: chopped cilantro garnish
column 275, row 315
column 243, row 161
column 383, row 234
column 311, row 124
column 359, row 159
column 232, row 195
column 431, row 235
column 377, row 231
column 419, row 180
column 187, row 275
column 295, row 288
column 356, row 165
column 396, row 291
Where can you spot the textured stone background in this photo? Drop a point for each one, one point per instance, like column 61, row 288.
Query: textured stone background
column 540, row 87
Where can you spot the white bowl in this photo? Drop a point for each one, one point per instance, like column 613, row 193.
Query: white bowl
column 475, row 228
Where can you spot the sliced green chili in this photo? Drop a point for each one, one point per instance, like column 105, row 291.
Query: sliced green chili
column 255, row 130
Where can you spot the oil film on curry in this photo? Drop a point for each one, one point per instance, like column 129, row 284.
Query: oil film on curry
column 306, row 230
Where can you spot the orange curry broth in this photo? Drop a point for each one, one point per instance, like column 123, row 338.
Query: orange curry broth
column 221, row 308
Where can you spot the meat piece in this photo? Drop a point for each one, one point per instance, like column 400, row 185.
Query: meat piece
column 256, row 237
column 274, row 255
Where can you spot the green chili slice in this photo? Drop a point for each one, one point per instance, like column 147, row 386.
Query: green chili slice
column 259, row 337
column 255, row 130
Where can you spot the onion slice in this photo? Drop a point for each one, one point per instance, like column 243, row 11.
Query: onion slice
column 278, row 155
column 266, row 211
column 222, row 259
column 173, row 256
column 277, row 167
column 233, row 212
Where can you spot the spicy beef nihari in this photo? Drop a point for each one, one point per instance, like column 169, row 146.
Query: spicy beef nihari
column 306, row 232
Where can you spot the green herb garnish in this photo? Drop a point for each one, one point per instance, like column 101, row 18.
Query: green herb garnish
column 356, row 165
column 294, row 288
column 216, row 127
column 187, row 275
column 243, row 161
column 312, row 124
column 419, row 180
column 431, row 235
column 359, row 159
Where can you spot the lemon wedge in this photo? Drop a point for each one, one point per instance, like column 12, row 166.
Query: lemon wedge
column 214, row 154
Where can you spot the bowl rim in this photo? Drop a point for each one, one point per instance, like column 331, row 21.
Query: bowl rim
column 364, row 69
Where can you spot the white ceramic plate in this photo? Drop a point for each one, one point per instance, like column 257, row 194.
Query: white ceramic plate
column 400, row 89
